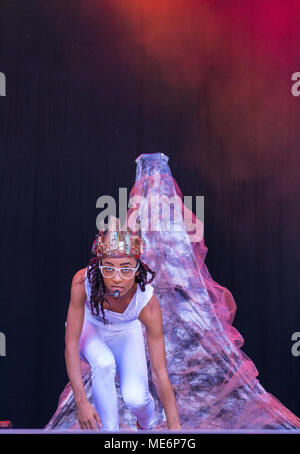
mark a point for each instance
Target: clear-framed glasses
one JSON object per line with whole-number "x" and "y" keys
{"x": 125, "y": 272}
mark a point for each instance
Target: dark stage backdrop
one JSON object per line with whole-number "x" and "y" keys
{"x": 92, "y": 84}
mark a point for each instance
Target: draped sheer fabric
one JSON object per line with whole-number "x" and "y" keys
{"x": 215, "y": 383}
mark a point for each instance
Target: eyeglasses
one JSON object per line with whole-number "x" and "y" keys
{"x": 110, "y": 271}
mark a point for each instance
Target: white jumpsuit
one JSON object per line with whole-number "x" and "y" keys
{"x": 118, "y": 347}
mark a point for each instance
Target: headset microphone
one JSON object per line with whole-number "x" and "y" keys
{"x": 116, "y": 293}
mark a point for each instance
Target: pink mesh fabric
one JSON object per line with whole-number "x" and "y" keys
{"x": 215, "y": 383}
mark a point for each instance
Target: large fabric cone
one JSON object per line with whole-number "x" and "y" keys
{"x": 215, "y": 383}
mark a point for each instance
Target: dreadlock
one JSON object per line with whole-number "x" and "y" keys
{"x": 94, "y": 276}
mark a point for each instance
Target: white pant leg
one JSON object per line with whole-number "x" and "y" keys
{"x": 128, "y": 348}
{"x": 103, "y": 370}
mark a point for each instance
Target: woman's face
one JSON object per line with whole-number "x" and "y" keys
{"x": 117, "y": 282}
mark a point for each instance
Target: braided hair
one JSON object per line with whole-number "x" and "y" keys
{"x": 95, "y": 279}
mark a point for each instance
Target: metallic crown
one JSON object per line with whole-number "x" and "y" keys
{"x": 112, "y": 241}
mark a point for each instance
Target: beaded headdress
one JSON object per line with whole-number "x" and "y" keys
{"x": 114, "y": 241}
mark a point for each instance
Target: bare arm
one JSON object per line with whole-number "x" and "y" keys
{"x": 75, "y": 317}
{"x": 151, "y": 317}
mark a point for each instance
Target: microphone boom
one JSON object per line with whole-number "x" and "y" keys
{"x": 116, "y": 293}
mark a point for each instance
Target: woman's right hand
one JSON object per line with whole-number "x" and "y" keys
{"x": 87, "y": 416}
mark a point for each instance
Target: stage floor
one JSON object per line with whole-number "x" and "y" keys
{"x": 152, "y": 432}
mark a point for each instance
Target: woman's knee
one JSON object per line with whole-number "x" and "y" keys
{"x": 104, "y": 366}
{"x": 135, "y": 397}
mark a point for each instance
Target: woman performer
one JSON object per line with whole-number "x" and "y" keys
{"x": 116, "y": 280}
